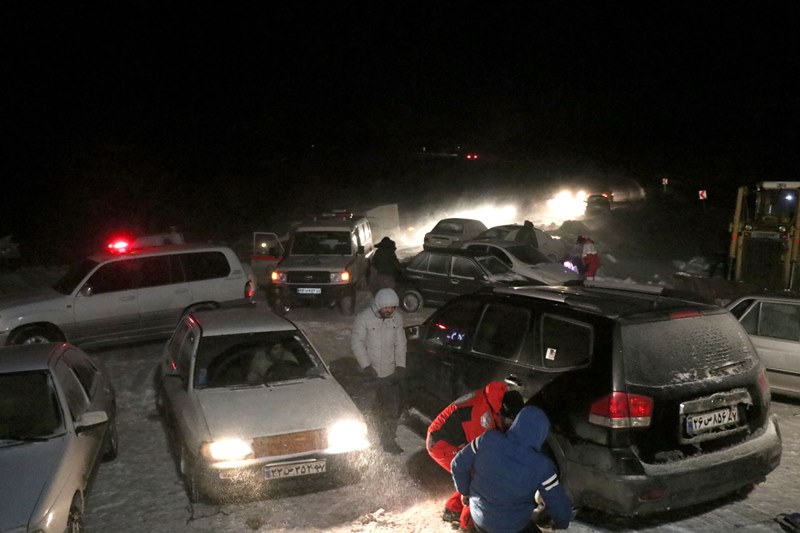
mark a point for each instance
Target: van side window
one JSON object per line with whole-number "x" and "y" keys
{"x": 452, "y": 326}
{"x": 566, "y": 343}
{"x": 205, "y": 265}
{"x": 502, "y": 330}
{"x": 113, "y": 277}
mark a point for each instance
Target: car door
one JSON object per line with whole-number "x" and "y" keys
{"x": 466, "y": 277}
{"x": 774, "y": 329}
{"x": 106, "y": 306}
{"x": 178, "y": 386}
{"x": 428, "y": 272}
{"x": 432, "y": 356}
{"x": 163, "y": 294}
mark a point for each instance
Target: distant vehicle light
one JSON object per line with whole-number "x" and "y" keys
{"x": 119, "y": 246}
{"x": 472, "y": 156}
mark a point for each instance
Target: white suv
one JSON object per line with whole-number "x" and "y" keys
{"x": 127, "y": 295}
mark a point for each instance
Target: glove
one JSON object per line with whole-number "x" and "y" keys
{"x": 464, "y": 499}
{"x": 369, "y": 372}
{"x": 399, "y": 372}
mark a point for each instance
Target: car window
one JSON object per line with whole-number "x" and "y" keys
{"x": 76, "y": 273}
{"x": 77, "y": 400}
{"x": 502, "y": 330}
{"x": 84, "y": 368}
{"x": 420, "y": 262}
{"x": 449, "y": 227}
{"x": 29, "y": 405}
{"x": 565, "y": 343}
{"x": 502, "y": 256}
{"x": 528, "y": 255}
{"x": 252, "y": 359}
{"x": 464, "y": 267}
{"x": 479, "y": 248}
{"x": 205, "y": 265}
{"x": 493, "y": 265}
{"x": 451, "y": 326}
{"x": 322, "y": 243}
{"x": 114, "y": 276}
{"x": 780, "y": 321}
{"x": 155, "y": 271}
{"x": 439, "y": 264}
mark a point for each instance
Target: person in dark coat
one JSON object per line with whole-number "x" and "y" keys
{"x": 527, "y": 234}
{"x": 461, "y": 422}
{"x": 385, "y": 267}
{"x": 499, "y": 475}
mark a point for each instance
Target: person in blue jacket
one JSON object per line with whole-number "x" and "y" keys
{"x": 500, "y": 473}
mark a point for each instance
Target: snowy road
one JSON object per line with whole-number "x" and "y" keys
{"x": 141, "y": 490}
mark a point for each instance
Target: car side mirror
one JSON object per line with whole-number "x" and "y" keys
{"x": 87, "y": 290}
{"x": 90, "y": 420}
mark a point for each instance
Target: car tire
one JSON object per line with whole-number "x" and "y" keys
{"x": 35, "y": 335}
{"x": 411, "y": 301}
{"x": 75, "y": 516}
{"x": 111, "y": 440}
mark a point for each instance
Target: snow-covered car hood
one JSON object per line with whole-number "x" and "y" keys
{"x": 315, "y": 262}
{"x": 285, "y": 408}
{"x": 548, "y": 273}
{"x": 26, "y": 469}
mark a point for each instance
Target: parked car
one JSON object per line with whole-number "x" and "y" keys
{"x": 773, "y": 323}
{"x": 656, "y": 403}
{"x": 249, "y": 402}
{"x": 451, "y": 232}
{"x": 434, "y": 277}
{"x": 526, "y": 260}
{"x": 597, "y": 204}
{"x": 57, "y": 422}
{"x": 126, "y": 295}
{"x": 553, "y": 247}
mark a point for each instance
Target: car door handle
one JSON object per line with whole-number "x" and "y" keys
{"x": 513, "y": 381}
{"x": 454, "y": 281}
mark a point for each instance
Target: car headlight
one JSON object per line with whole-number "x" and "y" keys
{"x": 277, "y": 276}
{"x": 226, "y": 450}
{"x": 347, "y": 436}
{"x": 340, "y": 277}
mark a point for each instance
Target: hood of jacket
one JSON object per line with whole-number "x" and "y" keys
{"x": 385, "y": 298}
{"x": 530, "y": 428}
{"x": 494, "y": 394}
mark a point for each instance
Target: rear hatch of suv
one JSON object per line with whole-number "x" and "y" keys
{"x": 697, "y": 380}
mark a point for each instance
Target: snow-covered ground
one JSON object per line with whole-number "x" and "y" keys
{"x": 142, "y": 491}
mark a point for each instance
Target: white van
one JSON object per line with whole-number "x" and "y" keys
{"x": 123, "y": 295}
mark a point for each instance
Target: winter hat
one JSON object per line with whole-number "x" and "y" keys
{"x": 386, "y": 242}
{"x": 494, "y": 391}
{"x": 580, "y": 239}
{"x": 386, "y": 298}
{"x": 512, "y": 404}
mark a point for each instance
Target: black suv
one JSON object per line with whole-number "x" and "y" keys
{"x": 656, "y": 402}
{"x": 434, "y": 277}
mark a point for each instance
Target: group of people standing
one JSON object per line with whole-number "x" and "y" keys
{"x": 488, "y": 440}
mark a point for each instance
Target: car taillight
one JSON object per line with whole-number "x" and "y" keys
{"x": 684, "y": 314}
{"x": 622, "y": 410}
{"x": 248, "y": 289}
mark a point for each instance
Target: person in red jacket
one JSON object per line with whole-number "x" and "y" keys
{"x": 589, "y": 257}
{"x": 461, "y": 422}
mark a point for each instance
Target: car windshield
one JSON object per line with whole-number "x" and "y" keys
{"x": 321, "y": 243}
{"x": 254, "y": 359}
{"x": 29, "y": 407}
{"x": 76, "y": 273}
{"x": 493, "y": 265}
{"x": 528, "y": 254}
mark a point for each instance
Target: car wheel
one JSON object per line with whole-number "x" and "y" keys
{"x": 111, "y": 440}
{"x": 35, "y": 335}
{"x": 411, "y": 301}
{"x": 190, "y": 476}
{"x": 75, "y": 516}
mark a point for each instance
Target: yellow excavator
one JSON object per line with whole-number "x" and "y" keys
{"x": 765, "y": 236}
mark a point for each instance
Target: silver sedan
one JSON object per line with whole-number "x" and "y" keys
{"x": 56, "y": 423}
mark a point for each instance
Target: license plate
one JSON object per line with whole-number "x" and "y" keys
{"x": 306, "y": 468}
{"x": 309, "y": 290}
{"x": 703, "y": 422}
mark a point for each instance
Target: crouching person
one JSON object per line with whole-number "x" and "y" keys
{"x": 500, "y": 473}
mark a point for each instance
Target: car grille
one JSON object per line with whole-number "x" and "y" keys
{"x": 312, "y": 276}
{"x": 290, "y": 443}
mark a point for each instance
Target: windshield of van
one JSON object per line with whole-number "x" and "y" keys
{"x": 76, "y": 273}
{"x": 321, "y": 243}
{"x": 685, "y": 350}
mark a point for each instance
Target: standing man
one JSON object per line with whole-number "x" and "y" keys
{"x": 461, "y": 422}
{"x": 499, "y": 475}
{"x": 589, "y": 257}
{"x": 378, "y": 342}
{"x": 385, "y": 267}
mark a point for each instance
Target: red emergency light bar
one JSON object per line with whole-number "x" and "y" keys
{"x": 119, "y": 246}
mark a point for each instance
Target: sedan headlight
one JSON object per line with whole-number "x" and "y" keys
{"x": 226, "y": 450}
{"x": 347, "y": 436}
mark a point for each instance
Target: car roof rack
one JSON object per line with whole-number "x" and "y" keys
{"x": 624, "y": 285}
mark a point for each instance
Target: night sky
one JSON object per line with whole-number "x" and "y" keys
{"x": 138, "y": 115}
